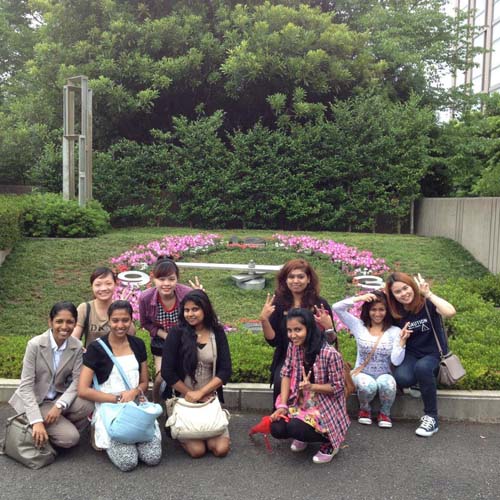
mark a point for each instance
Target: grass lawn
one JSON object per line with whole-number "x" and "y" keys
{"x": 40, "y": 272}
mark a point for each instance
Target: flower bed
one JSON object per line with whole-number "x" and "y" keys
{"x": 142, "y": 257}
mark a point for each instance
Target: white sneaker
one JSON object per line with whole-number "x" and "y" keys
{"x": 414, "y": 391}
{"x": 428, "y": 426}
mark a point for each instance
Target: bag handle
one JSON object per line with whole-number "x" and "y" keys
{"x": 86, "y": 324}
{"x": 107, "y": 350}
{"x": 7, "y": 424}
{"x": 363, "y": 365}
{"x": 440, "y": 349}
{"x": 214, "y": 353}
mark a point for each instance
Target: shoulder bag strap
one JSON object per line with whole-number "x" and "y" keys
{"x": 440, "y": 349}
{"x": 363, "y": 365}
{"x": 86, "y": 325}
{"x": 116, "y": 363}
{"x": 214, "y": 352}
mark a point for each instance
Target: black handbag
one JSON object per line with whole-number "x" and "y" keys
{"x": 19, "y": 445}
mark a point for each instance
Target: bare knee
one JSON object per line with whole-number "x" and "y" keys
{"x": 219, "y": 447}
{"x": 196, "y": 449}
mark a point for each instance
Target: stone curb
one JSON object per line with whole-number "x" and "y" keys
{"x": 461, "y": 406}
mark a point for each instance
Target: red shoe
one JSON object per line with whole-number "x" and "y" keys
{"x": 364, "y": 417}
{"x": 384, "y": 421}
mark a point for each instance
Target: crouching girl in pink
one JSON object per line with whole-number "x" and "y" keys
{"x": 311, "y": 406}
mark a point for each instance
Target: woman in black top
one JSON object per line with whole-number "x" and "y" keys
{"x": 297, "y": 286}
{"x": 130, "y": 353}
{"x": 414, "y": 306}
{"x": 197, "y": 363}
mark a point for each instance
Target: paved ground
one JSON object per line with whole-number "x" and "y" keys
{"x": 462, "y": 461}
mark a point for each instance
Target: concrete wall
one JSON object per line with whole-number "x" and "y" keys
{"x": 472, "y": 222}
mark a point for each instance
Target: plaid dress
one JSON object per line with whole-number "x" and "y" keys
{"x": 327, "y": 369}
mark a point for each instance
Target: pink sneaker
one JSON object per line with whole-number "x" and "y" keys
{"x": 298, "y": 445}
{"x": 325, "y": 454}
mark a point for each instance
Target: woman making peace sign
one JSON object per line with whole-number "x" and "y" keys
{"x": 311, "y": 406}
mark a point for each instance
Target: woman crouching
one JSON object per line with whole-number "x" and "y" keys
{"x": 48, "y": 389}
{"x": 130, "y": 353}
{"x": 311, "y": 406}
{"x": 197, "y": 362}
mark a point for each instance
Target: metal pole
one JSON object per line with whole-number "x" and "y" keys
{"x": 88, "y": 152}
{"x": 82, "y": 184}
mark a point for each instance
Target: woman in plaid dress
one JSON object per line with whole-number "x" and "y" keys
{"x": 311, "y": 406}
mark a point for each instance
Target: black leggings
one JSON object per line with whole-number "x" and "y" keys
{"x": 277, "y": 382}
{"x": 296, "y": 429}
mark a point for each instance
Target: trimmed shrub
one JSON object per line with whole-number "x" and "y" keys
{"x": 11, "y": 210}
{"x": 251, "y": 357}
{"x": 49, "y": 215}
{"x": 488, "y": 287}
{"x": 474, "y": 334}
{"x": 12, "y": 349}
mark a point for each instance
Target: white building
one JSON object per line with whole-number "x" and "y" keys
{"x": 484, "y": 14}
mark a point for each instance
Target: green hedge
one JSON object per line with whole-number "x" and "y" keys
{"x": 48, "y": 215}
{"x": 474, "y": 333}
{"x": 51, "y": 216}
{"x": 474, "y": 337}
{"x": 11, "y": 210}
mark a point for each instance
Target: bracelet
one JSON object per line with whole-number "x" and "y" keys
{"x": 330, "y": 330}
{"x": 282, "y": 406}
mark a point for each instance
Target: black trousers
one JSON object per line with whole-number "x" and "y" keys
{"x": 296, "y": 429}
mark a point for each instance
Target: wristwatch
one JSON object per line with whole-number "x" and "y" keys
{"x": 60, "y": 405}
{"x": 118, "y": 398}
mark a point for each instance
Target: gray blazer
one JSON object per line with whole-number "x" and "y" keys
{"x": 37, "y": 375}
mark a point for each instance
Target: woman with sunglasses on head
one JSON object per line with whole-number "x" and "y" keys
{"x": 297, "y": 286}
{"x": 130, "y": 353}
{"x": 379, "y": 344}
{"x": 311, "y": 406}
{"x": 197, "y": 363}
{"x": 92, "y": 321}
{"x": 413, "y": 305}
{"x": 159, "y": 310}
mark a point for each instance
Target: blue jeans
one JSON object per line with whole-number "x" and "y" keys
{"x": 423, "y": 371}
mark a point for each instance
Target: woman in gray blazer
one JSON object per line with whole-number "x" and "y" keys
{"x": 48, "y": 389}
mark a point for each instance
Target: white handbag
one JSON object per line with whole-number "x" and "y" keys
{"x": 197, "y": 420}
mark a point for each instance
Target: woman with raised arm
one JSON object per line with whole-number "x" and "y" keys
{"x": 92, "y": 321}
{"x": 311, "y": 406}
{"x": 379, "y": 344}
{"x": 159, "y": 310}
{"x": 130, "y": 353}
{"x": 297, "y": 286}
{"x": 412, "y": 303}
{"x": 49, "y": 379}
{"x": 197, "y": 363}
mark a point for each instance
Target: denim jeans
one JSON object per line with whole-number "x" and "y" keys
{"x": 423, "y": 371}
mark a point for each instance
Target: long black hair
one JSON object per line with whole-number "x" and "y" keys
{"x": 315, "y": 338}
{"x": 188, "y": 347}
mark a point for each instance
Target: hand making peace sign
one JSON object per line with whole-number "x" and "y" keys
{"x": 268, "y": 308}
{"x": 305, "y": 384}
